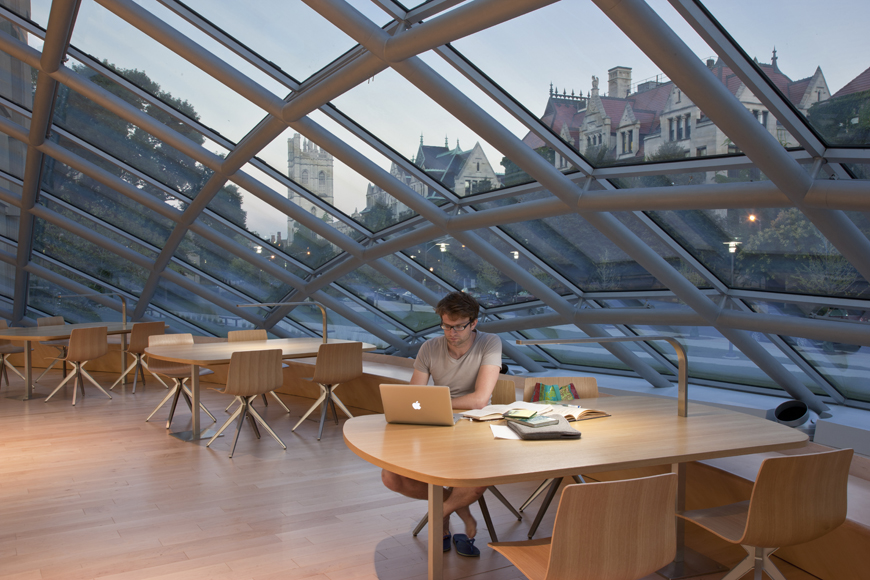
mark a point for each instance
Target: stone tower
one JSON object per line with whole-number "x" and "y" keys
{"x": 312, "y": 168}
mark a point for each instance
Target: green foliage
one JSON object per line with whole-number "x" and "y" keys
{"x": 843, "y": 120}
{"x": 514, "y": 175}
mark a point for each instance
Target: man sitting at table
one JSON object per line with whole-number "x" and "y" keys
{"x": 468, "y": 362}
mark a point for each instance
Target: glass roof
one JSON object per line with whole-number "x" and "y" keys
{"x": 700, "y": 179}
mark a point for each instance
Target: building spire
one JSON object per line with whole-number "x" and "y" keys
{"x": 446, "y": 144}
{"x": 774, "y": 59}
{"x": 421, "y": 138}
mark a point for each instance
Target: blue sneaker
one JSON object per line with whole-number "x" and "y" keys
{"x": 465, "y": 546}
{"x": 447, "y": 542}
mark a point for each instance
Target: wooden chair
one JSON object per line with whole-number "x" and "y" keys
{"x": 61, "y": 345}
{"x": 795, "y": 499}
{"x": 504, "y": 393}
{"x": 6, "y": 349}
{"x": 247, "y": 336}
{"x": 619, "y": 530}
{"x": 179, "y": 373}
{"x": 85, "y": 344}
{"x": 336, "y": 363}
{"x": 138, "y": 342}
{"x": 587, "y": 388}
{"x": 252, "y": 373}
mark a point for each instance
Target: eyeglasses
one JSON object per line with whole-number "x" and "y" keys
{"x": 457, "y": 328}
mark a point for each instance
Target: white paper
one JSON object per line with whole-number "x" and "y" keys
{"x": 497, "y": 410}
{"x": 503, "y": 432}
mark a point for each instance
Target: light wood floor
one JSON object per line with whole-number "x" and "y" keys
{"x": 93, "y": 491}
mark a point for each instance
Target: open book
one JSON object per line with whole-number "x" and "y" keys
{"x": 574, "y": 413}
{"x": 492, "y": 412}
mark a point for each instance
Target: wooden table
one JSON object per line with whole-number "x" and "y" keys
{"x": 59, "y": 332}
{"x": 217, "y": 353}
{"x": 641, "y": 431}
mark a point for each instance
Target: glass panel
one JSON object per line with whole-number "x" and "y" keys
{"x": 133, "y": 146}
{"x": 9, "y": 214}
{"x": 45, "y": 298}
{"x": 337, "y": 326}
{"x": 326, "y": 176}
{"x": 198, "y": 311}
{"x": 768, "y": 249}
{"x": 658, "y": 245}
{"x": 233, "y": 271}
{"x": 262, "y": 26}
{"x": 35, "y": 10}
{"x": 859, "y": 170}
{"x": 12, "y": 155}
{"x": 577, "y": 251}
{"x": 411, "y": 123}
{"x": 639, "y": 116}
{"x": 156, "y": 69}
{"x": 82, "y": 255}
{"x": 583, "y": 354}
{"x": 361, "y": 310}
{"x": 397, "y": 303}
{"x": 846, "y": 366}
{"x": 831, "y": 91}
{"x": 106, "y": 204}
{"x": 18, "y": 80}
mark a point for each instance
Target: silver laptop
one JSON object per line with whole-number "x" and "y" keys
{"x": 417, "y": 404}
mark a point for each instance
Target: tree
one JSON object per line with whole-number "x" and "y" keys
{"x": 843, "y": 120}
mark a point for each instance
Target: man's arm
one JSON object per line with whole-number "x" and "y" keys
{"x": 483, "y": 387}
{"x": 420, "y": 378}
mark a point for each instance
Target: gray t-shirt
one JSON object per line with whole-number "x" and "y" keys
{"x": 458, "y": 374}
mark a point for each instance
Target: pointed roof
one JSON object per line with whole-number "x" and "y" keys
{"x": 859, "y": 84}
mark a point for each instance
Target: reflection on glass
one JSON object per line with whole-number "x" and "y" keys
{"x": 367, "y": 314}
{"x": 577, "y": 251}
{"x": 338, "y": 326}
{"x": 104, "y": 203}
{"x": 44, "y": 299}
{"x": 382, "y": 293}
{"x": 586, "y": 354}
{"x": 767, "y": 249}
{"x": 197, "y": 311}
{"x": 846, "y": 366}
{"x": 234, "y": 272}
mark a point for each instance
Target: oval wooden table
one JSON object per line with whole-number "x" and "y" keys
{"x": 641, "y": 431}
{"x": 217, "y": 353}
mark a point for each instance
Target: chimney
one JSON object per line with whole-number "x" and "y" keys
{"x": 619, "y": 82}
{"x": 710, "y": 63}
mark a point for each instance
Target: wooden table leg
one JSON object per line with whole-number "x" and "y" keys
{"x": 436, "y": 532}
{"x": 28, "y": 376}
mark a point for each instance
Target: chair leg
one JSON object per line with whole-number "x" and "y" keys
{"x": 551, "y": 493}
{"x": 253, "y": 421}
{"x": 59, "y": 387}
{"x": 280, "y": 402}
{"x": 487, "y": 520}
{"x": 334, "y": 412}
{"x": 48, "y": 368}
{"x": 506, "y": 503}
{"x": 314, "y": 406}
{"x": 124, "y": 374}
{"x": 8, "y": 364}
{"x": 189, "y": 393}
{"x": 163, "y": 402}
{"x": 340, "y": 405}
{"x": 79, "y": 384}
{"x": 323, "y": 407}
{"x": 85, "y": 373}
{"x": 178, "y": 392}
{"x": 235, "y": 414}
{"x": 536, "y": 493}
{"x": 3, "y": 373}
{"x": 265, "y": 400}
{"x": 244, "y": 412}
{"x": 421, "y": 524}
{"x": 266, "y": 426}
{"x": 145, "y": 364}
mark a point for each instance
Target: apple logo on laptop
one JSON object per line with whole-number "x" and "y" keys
{"x": 416, "y": 405}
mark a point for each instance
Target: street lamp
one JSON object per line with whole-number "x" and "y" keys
{"x": 732, "y": 249}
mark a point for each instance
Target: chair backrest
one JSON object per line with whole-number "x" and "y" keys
{"x": 247, "y": 335}
{"x": 504, "y": 393}
{"x": 50, "y": 321}
{"x": 619, "y": 530}
{"x": 254, "y": 372}
{"x": 338, "y": 362}
{"x": 87, "y": 344}
{"x": 155, "y": 365}
{"x": 142, "y": 331}
{"x": 797, "y": 498}
{"x": 587, "y": 387}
